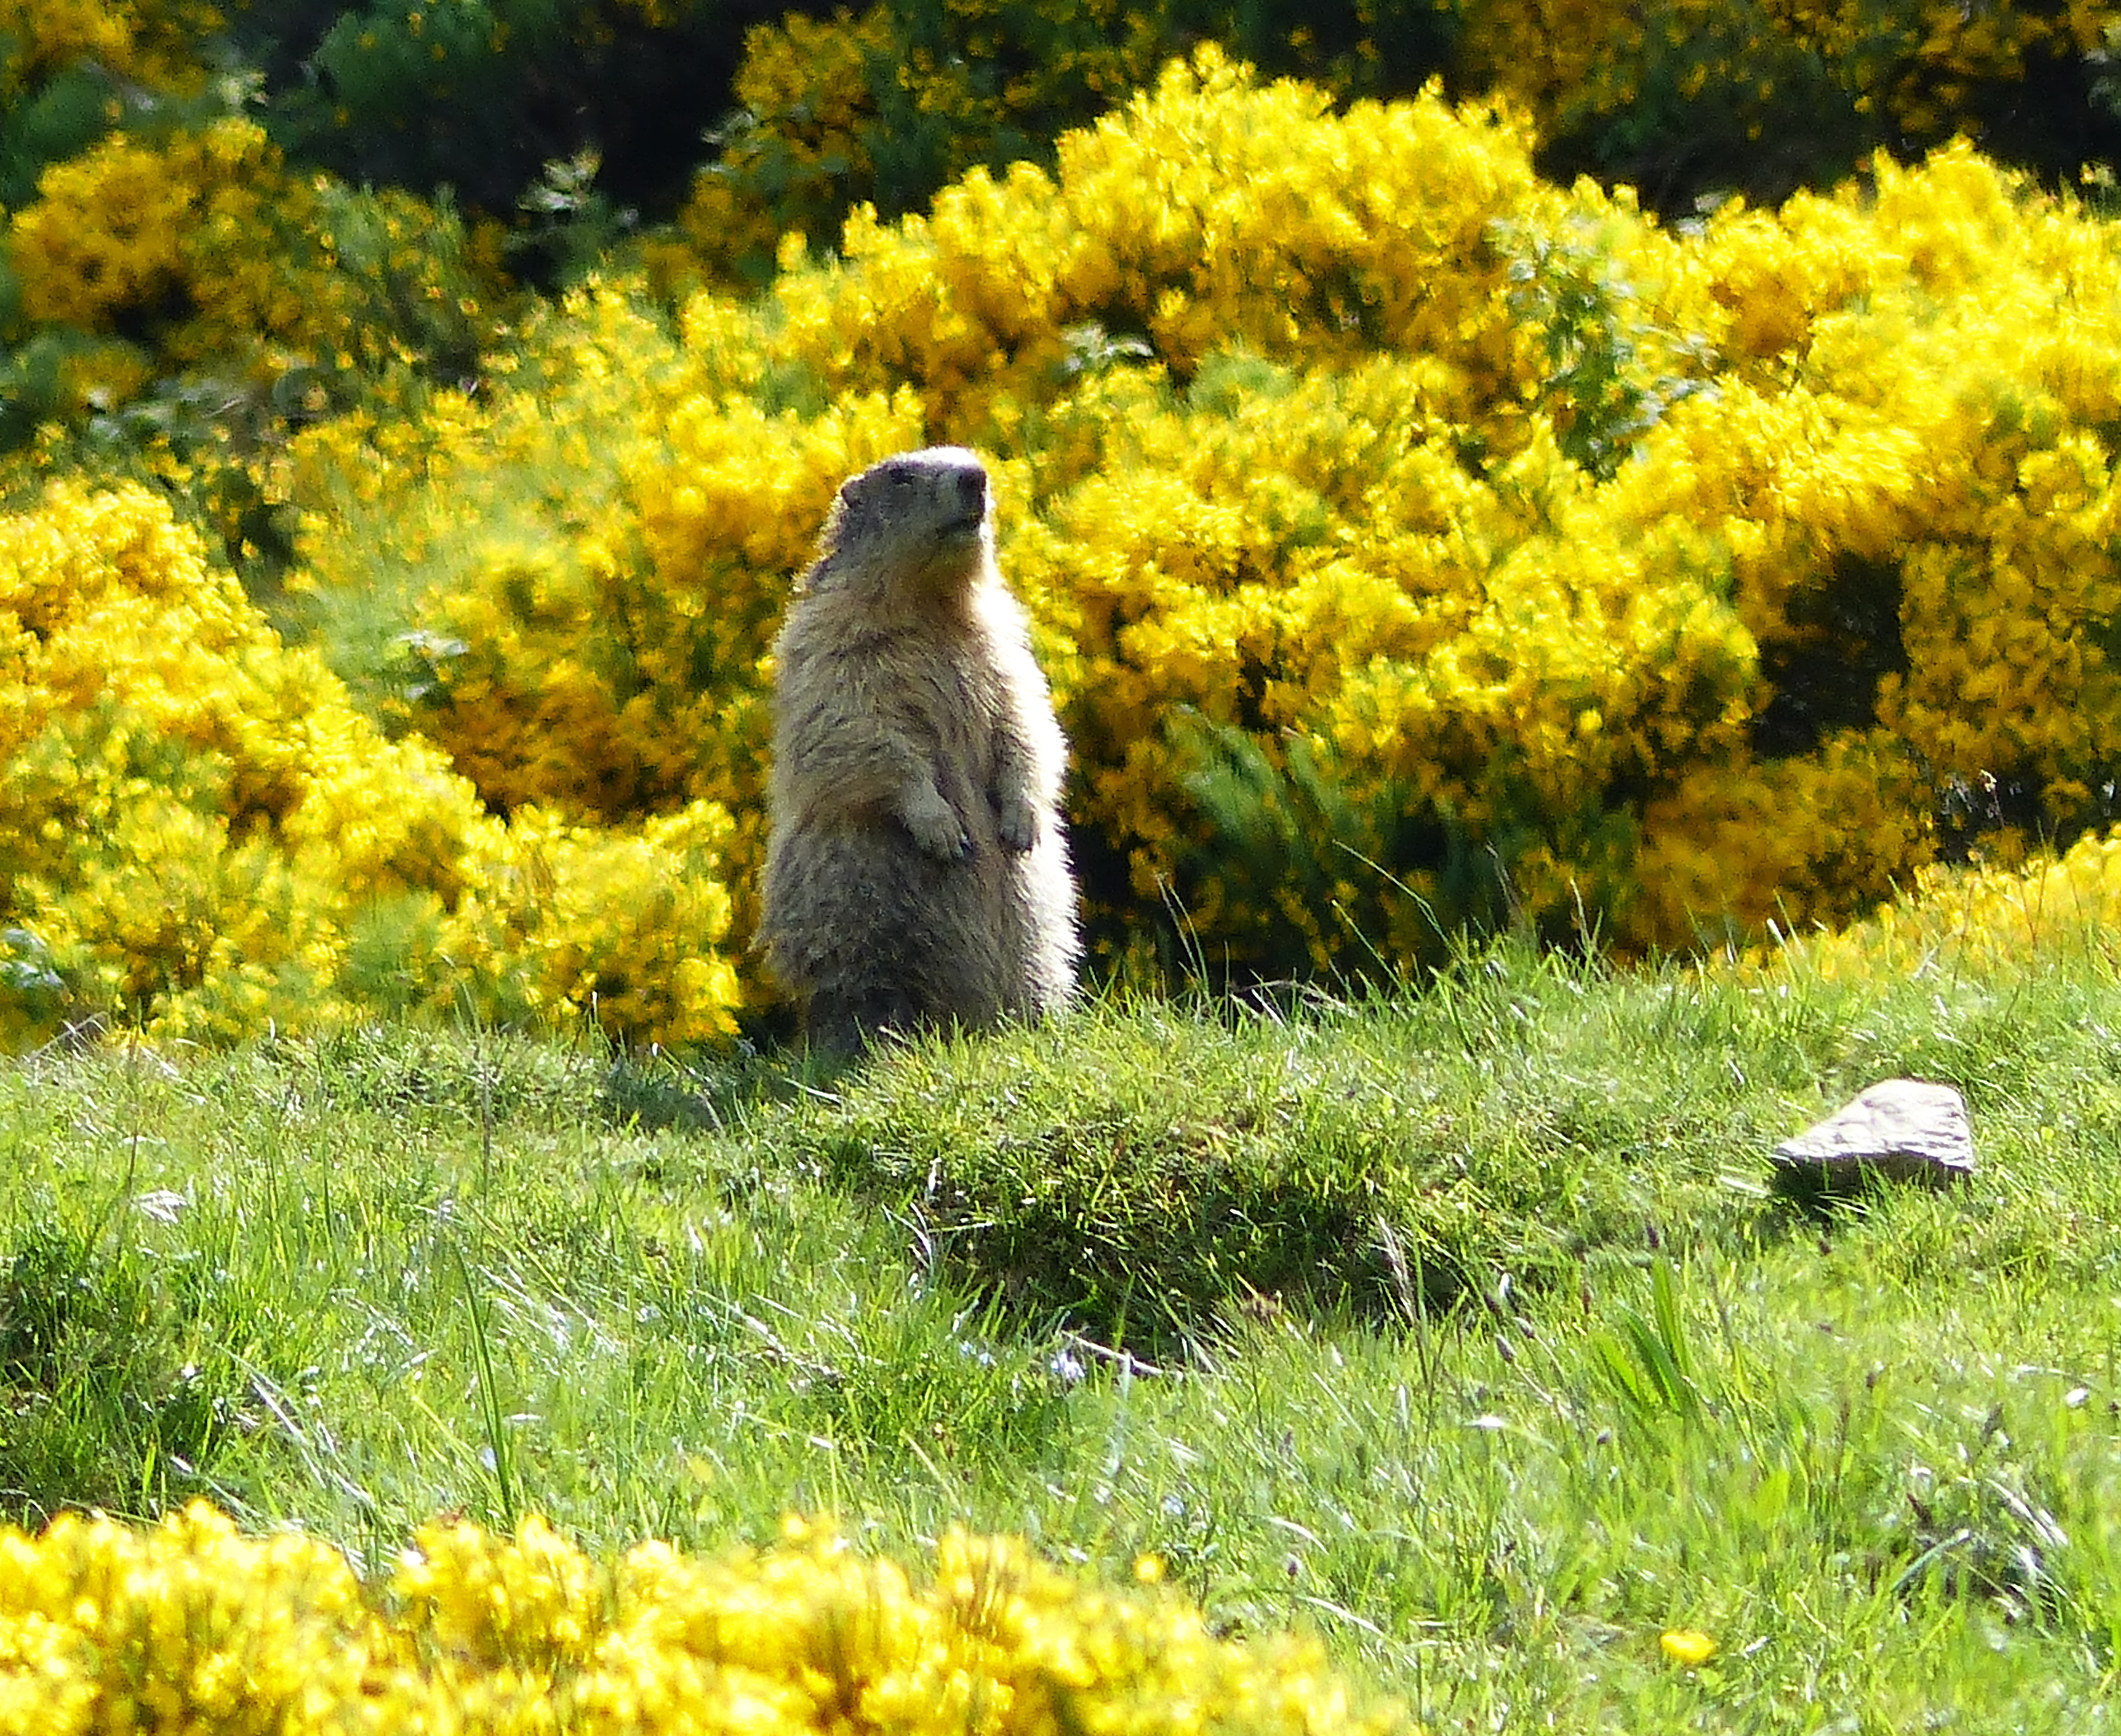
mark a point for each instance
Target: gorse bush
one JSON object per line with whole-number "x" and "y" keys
{"x": 73, "y": 69}
{"x": 204, "y": 244}
{"x": 1983, "y": 921}
{"x": 103, "y": 1627}
{"x": 176, "y": 293}
{"x": 886, "y": 107}
{"x": 1680, "y": 99}
{"x": 1515, "y": 558}
{"x": 1770, "y": 96}
{"x": 200, "y": 833}
{"x": 780, "y": 120}
{"x": 1646, "y": 583}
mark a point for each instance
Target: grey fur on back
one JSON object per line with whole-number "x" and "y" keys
{"x": 917, "y": 870}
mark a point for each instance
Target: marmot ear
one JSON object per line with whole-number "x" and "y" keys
{"x": 847, "y": 503}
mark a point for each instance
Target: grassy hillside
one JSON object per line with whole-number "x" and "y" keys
{"x": 1459, "y": 1328}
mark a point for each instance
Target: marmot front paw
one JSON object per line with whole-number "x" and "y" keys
{"x": 939, "y": 832}
{"x": 1018, "y": 824}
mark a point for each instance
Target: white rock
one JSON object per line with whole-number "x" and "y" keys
{"x": 1903, "y": 1130}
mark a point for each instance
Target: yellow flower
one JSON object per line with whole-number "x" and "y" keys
{"x": 1688, "y": 1647}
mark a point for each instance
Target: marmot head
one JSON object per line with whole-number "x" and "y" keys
{"x": 918, "y": 521}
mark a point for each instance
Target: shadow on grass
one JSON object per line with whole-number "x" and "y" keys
{"x": 1140, "y": 1249}
{"x": 662, "y": 1092}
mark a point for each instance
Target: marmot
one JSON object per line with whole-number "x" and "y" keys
{"x": 916, "y": 872}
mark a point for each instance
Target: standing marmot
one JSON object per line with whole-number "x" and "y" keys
{"x": 916, "y": 872}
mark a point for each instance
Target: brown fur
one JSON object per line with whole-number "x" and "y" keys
{"x": 916, "y": 872}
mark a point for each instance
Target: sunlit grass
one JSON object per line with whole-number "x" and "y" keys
{"x": 1459, "y": 1327}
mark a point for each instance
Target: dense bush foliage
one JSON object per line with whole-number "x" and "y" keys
{"x": 199, "y": 832}
{"x": 568, "y": 123}
{"x": 176, "y": 292}
{"x": 1524, "y": 554}
{"x": 1983, "y": 921}
{"x": 1412, "y": 544}
{"x": 204, "y": 252}
{"x": 478, "y": 95}
{"x": 1685, "y": 96}
{"x": 1680, "y": 99}
{"x": 190, "y": 1625}
{"x": 71, "y": 70}
{"x": 886, "y": 107}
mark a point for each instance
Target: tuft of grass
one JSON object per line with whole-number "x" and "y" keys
{"x": 116, "y": 1389}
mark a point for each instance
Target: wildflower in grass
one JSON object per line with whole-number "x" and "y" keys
{"x": 1688, "y": 1647}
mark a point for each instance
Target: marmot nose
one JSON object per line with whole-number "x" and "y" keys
{"x": 973, "y": 490}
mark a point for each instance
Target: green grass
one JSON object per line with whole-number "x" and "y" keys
{"x": 1460, "y": 1327}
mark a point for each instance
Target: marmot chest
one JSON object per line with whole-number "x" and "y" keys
{"x": 954, "y": 697}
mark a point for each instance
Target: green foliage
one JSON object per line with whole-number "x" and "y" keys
{"x": 65, "y": 114}
{"x": 995, "y": 84}
{"x": 479, "y": 95}
{"x": 1367, "y": 877}
{"x": 1686, "y": 100}
{"x": 889, "y": 107}
{"x": 1646, "y": 1359}
{"x": 1601, "y": 389}
{"x": 1730, "y": 99}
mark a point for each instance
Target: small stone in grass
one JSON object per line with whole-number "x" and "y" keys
{"x": 1900, "y": 1130}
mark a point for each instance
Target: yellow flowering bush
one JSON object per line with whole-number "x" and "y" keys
{"x": 198, "y": 831}
{"x": 796, "y": 151}
{"x": 267, "y": 272}
{"x": 1212, "y": 213}
{"x": 1918, "y": 60}
{"x": 886, "y": 105}
{"x": 626, "y": 924}
{"x": 1663, "y": 581}
{"x": 1410, "y": 541}
{"x": 184, "y": 299}
{"x": 1511, "y": 641}
{"x": 587, "y": 568}
{"x": 189, "y": 1624}
{"x": 152, "y": 43}
{"x": 1978, "y": 920}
